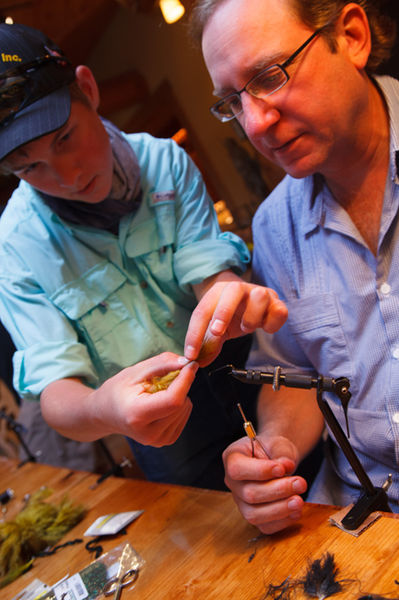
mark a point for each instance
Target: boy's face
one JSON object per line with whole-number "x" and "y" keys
{"x": 74, "y": 162}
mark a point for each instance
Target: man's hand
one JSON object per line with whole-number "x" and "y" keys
{"x": 264, "y": 490}
{"x": 229, "y": 307}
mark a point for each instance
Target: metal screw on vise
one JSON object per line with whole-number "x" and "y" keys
{"x": 387, "y": 484}
{"x": 276, "y": 379}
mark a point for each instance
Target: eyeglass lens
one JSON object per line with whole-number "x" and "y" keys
{"x": 262, "y": 85}
{"x": 265, "y": 83}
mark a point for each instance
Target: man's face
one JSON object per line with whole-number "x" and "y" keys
{"x": 306, "y": 126}
{"x": 74, "y": 162}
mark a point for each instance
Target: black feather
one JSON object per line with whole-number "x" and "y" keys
{"x": 320, "y": 580}
{"x": 281, "y": 591}
{"x": 374, "y": 597}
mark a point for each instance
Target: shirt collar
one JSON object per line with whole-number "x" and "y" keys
{"x": 314, "y": 188}
{"x": 390, "y": 89}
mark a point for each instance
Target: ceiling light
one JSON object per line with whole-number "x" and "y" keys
{"x": 172, "y": 10}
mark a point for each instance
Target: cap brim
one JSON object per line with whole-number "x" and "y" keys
{"x": 41, "y": 117}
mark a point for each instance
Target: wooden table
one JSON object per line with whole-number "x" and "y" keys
{"x": 197, "y": 546}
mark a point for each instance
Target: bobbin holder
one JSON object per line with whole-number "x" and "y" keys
{"x": 372, "y": 498}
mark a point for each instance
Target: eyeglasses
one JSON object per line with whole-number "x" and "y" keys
{"x": 19, "y": 87}
{"x": 261, "y": 85}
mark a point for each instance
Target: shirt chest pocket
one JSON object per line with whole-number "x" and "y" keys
{"x": 92, "y": 302}
{"x": 150, "y": 245}
{"x": 316, "y": 324}
{"x": 101, "y": 306}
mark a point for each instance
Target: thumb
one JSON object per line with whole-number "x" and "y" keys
{"x": 284, "y": 451}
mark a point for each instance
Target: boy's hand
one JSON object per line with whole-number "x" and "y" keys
{"x": 154, "y": 418}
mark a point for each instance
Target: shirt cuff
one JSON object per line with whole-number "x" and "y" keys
{"x": 197, "y": 261}
{"x": 41, "y": 364}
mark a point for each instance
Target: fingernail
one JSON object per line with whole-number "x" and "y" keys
{"x": 182, "y": 360}
{"x": 294, "y": 504}
{"x": 190, "y": 352}
{"x": 218, "y": 327}
{"x": 298, "y": 486}
{"x": 295, "y": 515}
{"x": 278, "y": 471}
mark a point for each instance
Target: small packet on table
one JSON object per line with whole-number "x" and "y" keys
{"x": 89, "y": 583}
{"x": 36, "y": 589}
{"x": 112, "y": 523}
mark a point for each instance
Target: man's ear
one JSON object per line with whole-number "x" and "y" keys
{"x": 354, "y": 32}
{"x": 87, "y": 83}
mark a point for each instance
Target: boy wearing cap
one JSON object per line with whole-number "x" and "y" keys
{"x": 105, "y": 247}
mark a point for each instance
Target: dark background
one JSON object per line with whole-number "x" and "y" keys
{"x": 392, "y": 66}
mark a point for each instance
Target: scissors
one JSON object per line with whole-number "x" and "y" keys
{"x": 116, "y": 584}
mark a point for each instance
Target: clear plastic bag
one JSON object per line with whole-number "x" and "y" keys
{"x": 89, "y": 583}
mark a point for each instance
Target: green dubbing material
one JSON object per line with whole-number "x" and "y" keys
{"x": 38, "y": 526}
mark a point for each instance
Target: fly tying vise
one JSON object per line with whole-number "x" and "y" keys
{"x": 372, "y": 498}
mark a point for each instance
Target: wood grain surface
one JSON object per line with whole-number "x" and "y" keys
{"x": 196, "y": 545}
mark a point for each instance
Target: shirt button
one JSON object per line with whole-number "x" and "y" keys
{"x": 385, "y": 289}
{"x": 143, "y": 284}
{"x": 171, "y": 324}
{"x": 395, "y": 353}
{"x": 395, "y": 417}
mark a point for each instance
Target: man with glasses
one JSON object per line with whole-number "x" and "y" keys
{"x": 299, "y": 77}
{"x": 105, "y": 248}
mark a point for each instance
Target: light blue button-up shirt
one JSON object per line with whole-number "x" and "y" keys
{"x": 343, "y": 307}
{"x": 83, "y": 302}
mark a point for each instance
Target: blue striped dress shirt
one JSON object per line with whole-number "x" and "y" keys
{"x": 343, "y": 320}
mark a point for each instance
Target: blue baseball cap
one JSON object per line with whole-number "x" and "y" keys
{"x": 34, "y": 86}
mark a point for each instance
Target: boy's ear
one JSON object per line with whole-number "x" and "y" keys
{"x": 87, "y": 83}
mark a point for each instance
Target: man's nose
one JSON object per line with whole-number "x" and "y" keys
{"x": 259, "y": 114}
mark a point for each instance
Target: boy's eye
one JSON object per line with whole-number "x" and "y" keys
{"x": 66, "y": 137}
{"x": 28, "y": 169}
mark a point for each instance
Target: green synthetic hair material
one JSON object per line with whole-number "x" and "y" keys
{"x": 39, "y": 525}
